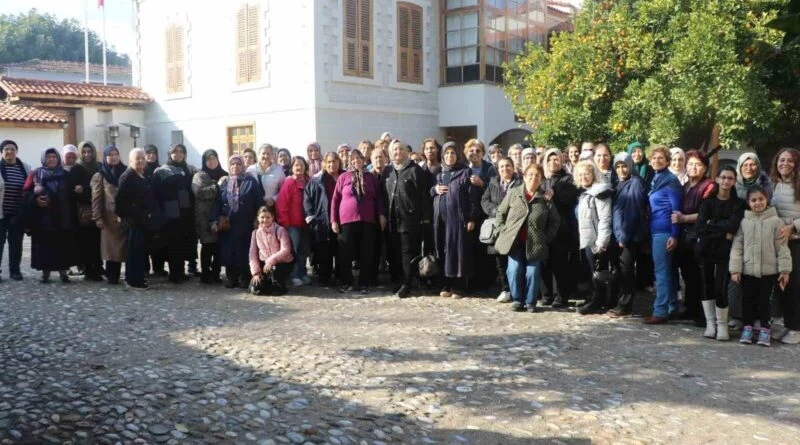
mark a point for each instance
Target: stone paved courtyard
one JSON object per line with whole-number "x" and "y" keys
{"x": 89, "y": 363}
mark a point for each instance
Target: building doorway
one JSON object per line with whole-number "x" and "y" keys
{"x": 460, "y": 135}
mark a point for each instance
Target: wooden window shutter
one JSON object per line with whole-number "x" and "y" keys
{"x": 416, "y": 44}
{"x": 175, "y": 59}
{"x": 365, "y": 37}
{"x": 241, "y": 46}
{"x": 179, "y": 59}
{"x": 403, "y": 42}
{"x": 350, "y": 37}
{"x": 170, "y": 50}
{"x": 253, "y": 44}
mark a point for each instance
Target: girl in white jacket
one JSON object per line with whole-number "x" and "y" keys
{"x": 758, "y": 259}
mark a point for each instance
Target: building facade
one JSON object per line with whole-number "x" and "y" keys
{"x": 232, "y": 75}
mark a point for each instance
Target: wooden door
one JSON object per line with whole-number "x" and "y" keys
{"x": 240, "y": 139}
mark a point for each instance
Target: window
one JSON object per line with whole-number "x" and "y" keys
{"x": 175, "y": 59}
{"x": 240, "y": 139}
{"x": 358, "y": 38}
{"x": 409, "y": 43}
{"x": 461, "y": 44}
{"x": 248, "y": 54}
{"x": 176, "y": 137}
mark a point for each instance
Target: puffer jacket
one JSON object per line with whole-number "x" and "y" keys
{"x": 271, "y": 246}
{"x": 756, "y": 250}
{"x": 540, "y": 216}
{"x": 594, "y": 216}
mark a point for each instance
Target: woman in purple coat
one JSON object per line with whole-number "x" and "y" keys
{"x": 456, "y": 209}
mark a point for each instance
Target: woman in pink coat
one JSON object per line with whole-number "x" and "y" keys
{"x": 270, "y": 256}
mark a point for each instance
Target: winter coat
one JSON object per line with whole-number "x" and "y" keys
{"x": 113, "y": 235}
{"x": 538, "y": 216}
{"x": 270, "y": 179}
{"x": 317, "y": 206}
{"x": 594, "y": 217}
{"x": 346, "y": 208}
{"x": 715, "y": 220}
{"x": 629, "y": 211}
{"x": 788, "y": 207}
{"x": 461, "y": 205}
{"x": 136, "y": 203}
{"x": 565, "y": 198}
{"x": 493, "y": 194}
{"x": 205, "y": 192}
{"x": 269, "y": 246}
{"x": 52, "y": 228}
{"x": 756, "y": 250}
{"x": 234, "y": 244}
{"x": 289, "y": 204}
{"x": 692, "y": 197}
{"x": 406, "y": 197}
{"x": 665, "y": 197}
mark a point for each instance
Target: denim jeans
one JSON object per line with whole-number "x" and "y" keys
{"x": 524, "y": 276}
{"x": 11, "y": 229}
{"x": 299, "y": 237}
{"x": 666, "y": 301}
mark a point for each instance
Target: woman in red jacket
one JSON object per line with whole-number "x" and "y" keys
{"x": 291, "y": 216}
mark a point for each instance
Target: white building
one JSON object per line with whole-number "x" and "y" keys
{"x": 230, "y": 75}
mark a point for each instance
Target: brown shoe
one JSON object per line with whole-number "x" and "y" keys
{"x": 655, "y": 320}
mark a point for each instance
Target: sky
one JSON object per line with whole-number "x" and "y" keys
{"x": 120, "y": 31}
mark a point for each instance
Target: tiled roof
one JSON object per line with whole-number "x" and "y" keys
{"x": 61, "y": 66}
{"x": 19, "y": 113}
{"x": 30, "y": 88}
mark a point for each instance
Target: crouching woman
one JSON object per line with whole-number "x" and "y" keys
{"x": 270, "y": 256}
{"x": 527, "y": 223}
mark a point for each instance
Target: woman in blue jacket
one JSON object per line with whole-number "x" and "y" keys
{"x": 629, "y": 219}
{"x": 665, "y": 197}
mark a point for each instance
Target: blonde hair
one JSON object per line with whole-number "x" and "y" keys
{"x": 474, "y": 142}
{"x": 586, "y": 165}
{"x": 660, "y": 148}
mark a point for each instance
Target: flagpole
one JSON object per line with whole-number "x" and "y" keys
{"x": 86, "y": 36}
{"x": 105, "y": 67}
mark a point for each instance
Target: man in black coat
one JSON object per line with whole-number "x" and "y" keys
{"x": 405, "y": 186}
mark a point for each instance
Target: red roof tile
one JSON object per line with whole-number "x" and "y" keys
{"x": 61, "y": 66}
{"x": 19, "y": 113}
{"x": 22, "y": 88}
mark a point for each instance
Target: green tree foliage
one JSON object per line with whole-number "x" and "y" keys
{"x": 43, "y": 36}
{"x": 661, "y": 71}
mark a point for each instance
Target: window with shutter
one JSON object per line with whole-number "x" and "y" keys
{"x": 357, "y": 38}
{"x": 175, "y": 59}
{"x": 409, "y": 43}
{"x": 248, "y": 54}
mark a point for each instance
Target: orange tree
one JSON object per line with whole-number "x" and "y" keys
{"x": 663, "y": 71}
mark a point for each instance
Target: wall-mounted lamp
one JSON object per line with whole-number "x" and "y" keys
{"x": 113, "y": 133}
{"x": 135, "y": 134}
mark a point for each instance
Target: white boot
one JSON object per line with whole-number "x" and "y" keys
{"x": 722, "y": 324}
{"x": 711, "y": 320}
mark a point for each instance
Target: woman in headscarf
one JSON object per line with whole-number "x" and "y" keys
{"x": 172, "y": 184}
{"x": 356, "y": 209}
{"x": 137, "y": 206}
{"x": 314, "y": 152}
{"x": 157, "y": 253}
{"x": 13, "y": 172}
{"x": 291, "y": 216}
{"x": 481, "y": 173}
{"x": 238, "y": 201}
{"x": 677, "y": 164}
{"x": 49, "y": 217}
{"x": 88, "y": 233}
{"x": 641, "y": 165}
{"x": 113, "y": 237}
{"x": 343, "y": 150}
{"x": 285, "y": 161}
{"x": 317, "y": 197}
{"x": 205, "y": 186}
{"x": 69, "y": 155}
{"x": 750, "y": 173}
{"x": 456, "y": 210}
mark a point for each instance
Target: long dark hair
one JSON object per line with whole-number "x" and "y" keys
{"x": 776, "y": 177}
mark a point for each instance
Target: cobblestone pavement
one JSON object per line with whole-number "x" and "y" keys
{"x": 89, "y": 363}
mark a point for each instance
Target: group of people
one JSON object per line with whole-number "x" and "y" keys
{"x": 555, "y": 225}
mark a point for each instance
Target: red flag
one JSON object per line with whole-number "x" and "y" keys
{"x": 100, "y": 3}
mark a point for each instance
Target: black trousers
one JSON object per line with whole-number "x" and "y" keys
{"x": 402, "y": 249}
{"x": 356, "y": 237}
{"x": 325, "y": 253}
{"x": 501, "y": 261}
{"x": 559, "y": 266}
{"x": 644, "y": 266}
{"x": 604, "y": 295}
{"x": 715, "y": 282}
{"x": 113, "y": 269}
{"x": 209, "y": 260}
{"x": 158, "y": 257}
{"x": 756, "y": 293}
{"x": 275, "y": 282}
{"x": 89, "y": 245}
{"x": 237, "y": 275}
{"x": 627, "y": 267}
{"x": 790, "y": 297}
{"x": 690, "y": 271}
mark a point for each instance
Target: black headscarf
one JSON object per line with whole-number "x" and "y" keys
{"x": 111, "y": 173}
{"x": 181, "y": 165}
{"x": 216, "y": 173}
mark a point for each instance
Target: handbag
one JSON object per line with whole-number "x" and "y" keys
{"x": 600, "y": 276}
{"x": 223, "y": 223}
{"x": 488, "y": 233}
{"x": 85, "y": 216}
{"x": 428, "y": 267}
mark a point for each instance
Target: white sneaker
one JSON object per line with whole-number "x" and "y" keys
{"x": 456, "y": 296}
{"x": 777, "y": 330}
{"x": 791, "y": 337}
{"x": 735, "y": 324}
{"x": 504, "y": 297}
{"x": 306, "y": 280}
{"x": 297, "y": 282}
